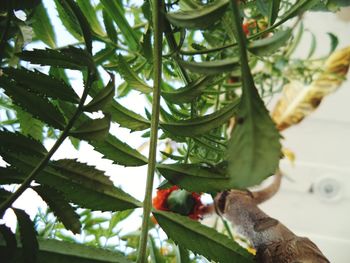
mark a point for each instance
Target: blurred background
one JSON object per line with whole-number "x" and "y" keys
{"x": 314, "y": 199}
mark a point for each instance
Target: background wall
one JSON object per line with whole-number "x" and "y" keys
{"x": 314, "y": 200}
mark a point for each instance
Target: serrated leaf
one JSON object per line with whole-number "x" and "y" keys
{"x": 203, "y": 124}
{"x": 112, "y": 148}
{"x": 109, "y": 26}
{"x": 59, "y": 73}
{"x": 94, "y": 129}
{"x": 17, "y": 142}
{"x": 103, "y": 98}
{"x": 6, "y": 5}
{"x": 42, "y": 84}
{"x": 67, "y": 58}
{"x": 298, "y": 101}
{"x": 187, "y": 93}
{"x": 51, "y": 250}
{"x": 75, "y": 182}
{"x": 274, "y": 7}
{"x": 195, "y": 177}
{"x": 201, "y": 239}
{"x": 200, "y": 18}
{"x": 129, "y": 75}
{"x": 60, "y": 207}
{"x": 28, "y": 235}
{"x": 93, "y": 178}
{"x": 81, "y": 170}
{"x": 39, "y": 107}
{"x": 42, "y": 26}
{"x": 11, "y": 244}
{"x": 104, "y": 55}
{"x": 127, "y": 118}
{"x": 68, "y": 19}
{"x": 90, "y": 13}
{"x": 114, "y": 9}
{"x": 254, "y": 149}
{"x": 83, "y": 22}
{"x": 211, "y": 67}
{"x": 269, "y": 45}
{"x": 119, "y": 152}
{"x": 29, "y": 126}
{"x": 9, "y": 175}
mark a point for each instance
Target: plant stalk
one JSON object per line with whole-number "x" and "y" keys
{"x": 157, "y": 7}
{"x": 41, "y": 165}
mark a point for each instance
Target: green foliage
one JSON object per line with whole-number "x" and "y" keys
{"x": 254, "y": 149}
{"x": 61, "y": 251}
{"x": 109, "y": 26}
{"x": 83, "y": 23}
{"x": 68, "y": 58}
{"x": 90, "y": 13}
{"x": 42, "y": 26}
{"x": 129, "y": 75}
{"x": 10, "y": 242}
{"x": 39, "y": 107}
{"x": 202, "y": 17}
{"x": 18, "y": 4}
{"x": 269, "y": 45}
{"x": 274, "y": 7}
{"x": 194, "y": 177}
{"x": 61, "y": 208}
{"x": 201, "y": 125}
{"x": 68, "y": 18}
{"x": 116, "y": 12}
{"x": 18, "y": 143}
{"x": 102, "y": 99}
{"x": 28, "y": 236}
{"x": 211, "y": 67}
{"x": 127, "y": 118}
{"x": 187, "y": 93}
{"x": 331, "y": 5}
{"x": 96, "y": 129}
{"x": 121, "y": 153}
{"x": 201, "y": 239}
{"x": 42, "y": 84}
{"x": 78, "y": 182}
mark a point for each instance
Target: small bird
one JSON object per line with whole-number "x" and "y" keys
{"x": 273, "y": 241}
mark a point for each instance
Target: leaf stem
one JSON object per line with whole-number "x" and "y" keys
{"x": 157, "y": 7}
{"x": 241, "y": 43}
{"x": 41, "y": 165}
